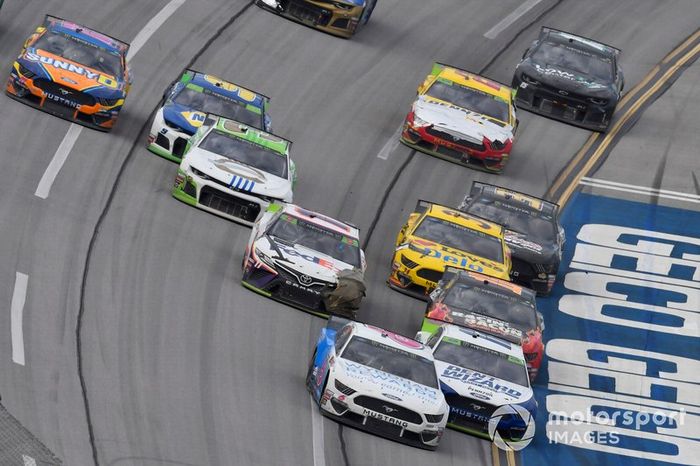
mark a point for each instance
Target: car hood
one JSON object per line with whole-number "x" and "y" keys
{"x": 567, "y": 80}
{"x": 460, "y": 120}
{"x": 380, "y": 384}
{"x": 238, "y": 176}
{"x": 530, "y": 251}
{"x": 300, "y": 260}
{"x": 183, "y": 117}
{"x": 71, "y": 74}
{"x": 478, "y": 386}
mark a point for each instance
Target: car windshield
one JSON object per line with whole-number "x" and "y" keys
{"x": 81, "y": 51}
{"x": 484, "y": 360}
{"x": 209, "y": 102}
{"x": 580, "y": 61}
{"x": 493, "y": 303}
{"x": 295, "y": 230}
{"x": 459, "y": 237}
{"x": 391, "y": 360}
{"x": 538, "y": 228}
{"x": 245, "y": 152}
{"x": 471, "y": 99}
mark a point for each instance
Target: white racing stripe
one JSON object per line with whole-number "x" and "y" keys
{"x": 506, "y": 22}
{"x": 317, "y": 435}
{"x": 19, "y": 296}
{"x": 653, "y": 192}
{"x": 391, "y": 144}
{"x": 59, "y": 158}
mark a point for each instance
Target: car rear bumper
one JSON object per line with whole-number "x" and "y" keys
{"x": 322, "y": 16}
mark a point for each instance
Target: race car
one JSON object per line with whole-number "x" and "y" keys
{"x": 234, "y": 171}
{"x": 462, "y": 117}
{"x": 569, "y": 78}
{"x": 341, "y": 18}
{"x": 377, "y": 381}
{"x": 297, "y": 256}
{"x": 72, "y": 72}
{"x": 435, "y": 237}
{"x": 190, "y": 99}
{"x": 479, "y": 373}
{"x": 533, "y": 233}
{"x": 493, "y": 306}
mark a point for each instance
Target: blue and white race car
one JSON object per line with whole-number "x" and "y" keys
{"x": 188, "y": 102}
{"x": 478, "y": 374}
{"x": 377, "y": 381}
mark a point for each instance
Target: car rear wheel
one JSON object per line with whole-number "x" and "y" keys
{"x": 367, "y": 13}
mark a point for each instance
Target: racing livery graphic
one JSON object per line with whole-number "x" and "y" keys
{"x": 478, "y": 373}
{"x": 190, "y": 99}
{"x": 72, "y": 72}
{"x": 341, "y": 17}
{"x": 234, "y": 171}
{"x": 533, "y": 233}
{"x": 569, "y": 78}
{"x": 302, "y": 258}
{"x": 462, "y": 117}
{"x": 435, "y": 237}
{"x": 487, "y": 304}
{"x": 377, "y": 381}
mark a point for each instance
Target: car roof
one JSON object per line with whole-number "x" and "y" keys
{"x": 474, "y": 279}
{"x": 256, "y": 136}
{"x": 56, "y": 24}
{"x": 475, "y": 81}
{"x": 515, "y": 198}
{"x": 467, "y": 220}
{"x": 484, "y": 340}
{"x": 392, "y": 339}
{"x": 323, "y": 220}
{"x": 225, "y": 88}
{"x": 564, "y": 37}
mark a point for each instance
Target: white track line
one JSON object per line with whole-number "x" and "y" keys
{"x": 317, "y": 435}
{"x": 19, "y": 296}
{"x": 391, "y": 144}
{"x": 628, "y": 188}
{"x": 59, "y": 158}
{"x": 511, "y": 18}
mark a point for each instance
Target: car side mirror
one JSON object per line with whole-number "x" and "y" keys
{"x": 423, "y": 337}
{"x": 525, "y": 54}
{"x": 622, "y": 79}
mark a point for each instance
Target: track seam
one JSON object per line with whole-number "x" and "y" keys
{"x": 343, "y": 447}
{"x": 103, "y": 215}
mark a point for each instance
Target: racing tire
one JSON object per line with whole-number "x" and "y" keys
{"x": 367, "y": 13}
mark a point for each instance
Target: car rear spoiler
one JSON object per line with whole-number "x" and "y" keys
{"x": 191, "y": 70}
{"x": 214, "y": 117}
{"x": 336, "y": 322}
{"x": 478, "y": 322}
{"x": 454, "y": 273}
{"x": 423, "y": 205}
{"x": 479, "y": 187}
{"x": 437, "y": 66}
{"x": 545, "y": 31}
{"x": 48, "y": 19}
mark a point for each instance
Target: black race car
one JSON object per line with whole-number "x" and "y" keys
{"x": 533, "y": 233}
{"x": 569, "y": 78}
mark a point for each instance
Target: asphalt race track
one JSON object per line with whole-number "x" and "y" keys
{"x": 180, "y": 365}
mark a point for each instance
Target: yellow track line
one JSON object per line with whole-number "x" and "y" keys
{"x": 616, "y": 128}
{"x": 495, "y": 455}
{"x": 684, "y": 44}
{"x": 511, "y": 457}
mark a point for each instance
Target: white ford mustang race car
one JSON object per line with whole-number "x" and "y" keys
{"x": 234, "y": 171}
{"x": 297, "y": 256}
{"x": 377, "y": 381}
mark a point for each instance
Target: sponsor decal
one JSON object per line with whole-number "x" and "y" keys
{"x": 481, "y": 380}
{"x": 467, "y": 413}
{"x": 479, "y": 395}
{"x": 290, "y": 251}
{"x": 389, "y": 381}
{"x": 475, "y": 321}
{"x": 384, "y": 417}
{"x": 517, "y": 240}
{"x": 72, "y": 68}
{"x": 297, "y": 285}
{"x": 392, "y": 397}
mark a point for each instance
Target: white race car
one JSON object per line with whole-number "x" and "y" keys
{"x": 296, "y": 256}
{"x": 479, "y": 373}
{"x": 378, "y": 381}
{"x": 234, "y": 171}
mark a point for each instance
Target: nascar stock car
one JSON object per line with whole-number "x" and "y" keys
{"x": 338, "y": 17}
{"x": 490, "y": 305}
{"x": 462, "y": 117}
{"x": 377, "y": 381}
{"x": 532, "y": 231}
{"x": 479, "y": 373}
{"x": 190, "y": 99}
{"x": 297, "y": 256}
{"x": 234, "y": 171}
{"x": 569, "y": 78}
{"x": 435, "y": 237}
{"x": 72, "y": 72}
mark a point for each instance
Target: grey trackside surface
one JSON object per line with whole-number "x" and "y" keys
{"x": 19, "y": 446}
{"x": 180, "y": 364}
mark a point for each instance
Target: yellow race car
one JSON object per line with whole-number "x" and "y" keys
{"x": 435, "y": 237}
